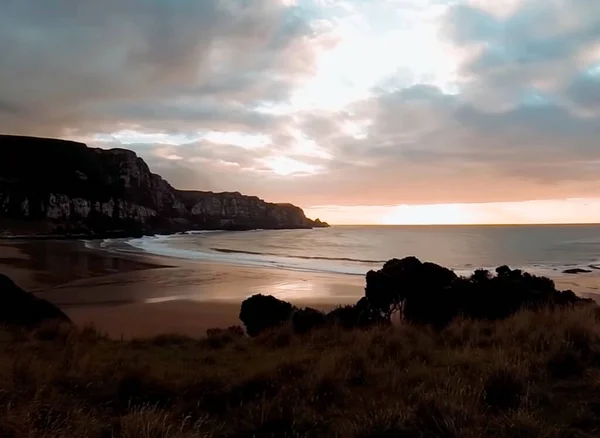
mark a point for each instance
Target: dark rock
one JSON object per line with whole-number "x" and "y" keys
{"x": 318, "y": 223}
{"x": 576, "y": 271}
{"x": 264, "y": 312}
{"x": 56, "y": 187}
{"x": 22, "y": 309}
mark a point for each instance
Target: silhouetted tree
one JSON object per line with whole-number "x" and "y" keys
{"x": 431, "y": 294}
{"x": 262, "y": 312}
{"x": 422, "y": 293}
{"x": 480, "y": 276}
{"x": 406, "y": 282}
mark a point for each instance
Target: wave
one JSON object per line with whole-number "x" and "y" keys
{"x": 159, "y": 245}
{"x": 343, "y": 259}
{"x": 164, "y": 246}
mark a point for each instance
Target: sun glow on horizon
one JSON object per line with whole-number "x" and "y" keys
{"x": 556, "y": 211}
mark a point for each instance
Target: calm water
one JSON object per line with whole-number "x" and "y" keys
{"x": 546, "y": 249}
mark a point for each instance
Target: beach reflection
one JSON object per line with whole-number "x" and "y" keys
{"x": 70, "y": 275}
{"x": 291, "y": 290}
{"x": 57, "y": 262}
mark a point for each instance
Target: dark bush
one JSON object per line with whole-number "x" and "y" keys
{"x": 420, "y": 293}
{"x": 307, "y": 319}
{"x": 134, "y": 388}
{"x": 407, "y": 286}
{"x": 503, "y": 390}
{"x": 170, "y": 339}
{"x": 565, "y": 363}
{"x": 427, "y": 293}
{"x": 233, "y": 331}
{"x": 344, "y": 316}
{"x": 263, "y": 312}
{"x": 358, "y": 315}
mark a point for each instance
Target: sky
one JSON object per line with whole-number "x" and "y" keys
{"x": 359, "y": 111}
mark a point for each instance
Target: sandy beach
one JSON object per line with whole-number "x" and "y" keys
{"x": 133, "y": 295}
{"x": 138, "y": 295}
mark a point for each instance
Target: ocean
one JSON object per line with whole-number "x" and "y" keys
{"x": 353, "y": 250}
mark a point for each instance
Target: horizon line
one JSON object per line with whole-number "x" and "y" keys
{"x": 469, "y": 224}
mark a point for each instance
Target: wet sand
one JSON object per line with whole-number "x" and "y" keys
{"x": 137, "y": 295}
{"x": 133, "y": 295}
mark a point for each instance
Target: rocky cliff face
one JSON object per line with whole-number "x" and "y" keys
{"x": 56, "y": 186}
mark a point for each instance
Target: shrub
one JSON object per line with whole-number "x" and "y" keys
{"x": 426, "y": 293}
{"x": 307, "y": 319}
{"x": 503, "y": 390}
{"x": 263, "y": 312}
{"x": 565, "y": 363}
{"x": 344, "y": 316}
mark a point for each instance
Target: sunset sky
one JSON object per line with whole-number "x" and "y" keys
{"x": 359, "y": 111}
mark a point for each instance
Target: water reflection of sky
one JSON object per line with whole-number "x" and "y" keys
{"x": 290, "y": 290}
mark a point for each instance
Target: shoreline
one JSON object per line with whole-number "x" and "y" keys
{"x": 126, "y": 234}
{"x": 133, "y": 294}
{"x": 130, "y": 294}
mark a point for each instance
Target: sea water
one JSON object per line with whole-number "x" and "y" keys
{"x": 353, "y": 250}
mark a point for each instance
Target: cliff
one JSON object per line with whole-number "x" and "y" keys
{"x": 50, "y": 186}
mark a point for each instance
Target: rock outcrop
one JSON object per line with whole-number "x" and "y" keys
{"x": 22, "y": 309}
{"x": 50, "y": 186}
{"x": 576, "y": 271}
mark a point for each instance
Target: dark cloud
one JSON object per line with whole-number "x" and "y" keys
{"x": 521, "y": 122}
{"x": 584, "y": 89}
{"x": 538, "y": 31}
{"x": 540, "y": 44}
{"x": 70, "y": 63}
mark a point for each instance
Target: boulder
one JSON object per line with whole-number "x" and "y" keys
{"x": 576, "y": 271}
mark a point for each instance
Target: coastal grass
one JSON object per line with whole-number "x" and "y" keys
{"x": 535, "y": 374}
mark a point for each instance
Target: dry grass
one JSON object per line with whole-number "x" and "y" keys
{"x": 532, "y": 375}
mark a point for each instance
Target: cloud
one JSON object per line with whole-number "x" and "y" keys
{"x": 74, "y": 64}
{"x": 584, "y": 89}
{"x": 320, "y": 102}
{"x": 427, "y": 147}
{"x": 540, "y": 44}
